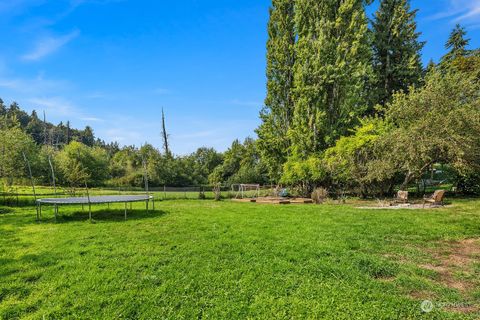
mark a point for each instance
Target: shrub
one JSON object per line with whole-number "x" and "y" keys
{"x": 469, "y": 183}
{"x": 303, "y": 174}
{"x": 319, "y": 195}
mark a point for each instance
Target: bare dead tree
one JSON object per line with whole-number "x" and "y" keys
{"x": 165, "y": 136}
{"x": 44, "y": 128}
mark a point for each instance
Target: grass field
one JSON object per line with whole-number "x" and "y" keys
{"x": 225, "y": 260}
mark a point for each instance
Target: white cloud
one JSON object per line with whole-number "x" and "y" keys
{"x": 99, "y": 95}
{"x": 460, "y": 11}
{"x": 37, "y": 85}
{"x": 198, "y": 134}
{"x": 472, "y": 13}
{"x": 162, "y": 91}
{"x": 49, "y": 45}
{"x": 123, "y": 136}
{"x": 91, "y": 119}
{"x": 61, "y": 109}
{"x": 244, "y": 103}
{"x": 56, "y": 106}
{"x": 12, "y": 6}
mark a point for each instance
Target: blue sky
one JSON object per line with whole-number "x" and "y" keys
{"x": 114, "y": 64}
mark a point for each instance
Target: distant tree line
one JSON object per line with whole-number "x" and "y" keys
{"x": 78, "y": 157}
{"x": 46, "y": 133}
{"x": 84, "y": 159}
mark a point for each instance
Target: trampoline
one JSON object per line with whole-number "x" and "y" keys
{"x": 56, "y": 202}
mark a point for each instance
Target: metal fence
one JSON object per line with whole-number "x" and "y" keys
{"x": 22, "y": 195}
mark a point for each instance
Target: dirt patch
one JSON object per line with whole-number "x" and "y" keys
{"x": 457, "y": 257}
{"x": 409, "y": 206}
{"x": 420, "y": 295}
{"x": 463, "y": 309}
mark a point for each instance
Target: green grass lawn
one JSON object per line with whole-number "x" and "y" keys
{"x": 225, "y": 260}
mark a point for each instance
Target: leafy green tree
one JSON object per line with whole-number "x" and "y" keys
{"x": 332, "y": 67}
{"x": 14, "y": 143}
{"x": 469, "y": 65}
{"x": 200, "y": 164}
{"x": 164, "y": 169}
{"x": 80, "y": 163}
{"x": 396, "y": 49}
{"x": 304, "y": 174}
{"x": 241, "y": 164}
{"x": 356, "y": 162}
{"x": 439, "y": 123}
{"x": 331, "y": 74}
{"x": 43, "y": 169}
{"x": 436, "y": 124}
{"x": 125, "y": 166}
{"x": 457, "y": 45}
{"x": 273, "y": 141}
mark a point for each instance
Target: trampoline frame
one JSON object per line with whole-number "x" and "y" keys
{"x": 89, "y": 200}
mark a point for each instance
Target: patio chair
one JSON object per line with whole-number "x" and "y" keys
{"x": 435, "y": 199}
{"x": 402, "y": 197}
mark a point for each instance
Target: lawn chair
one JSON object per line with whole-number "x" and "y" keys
{"x": 402, "y": 197}
{"x": 435, "y": 199}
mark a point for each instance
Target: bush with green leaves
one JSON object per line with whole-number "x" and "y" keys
{"x": 304, "y": 175}
{"x": 436, "y": 124}
{"x": 80, "y": 163}
{"x": 357, "y": 162}
{"x": 439, "y": 123}
{"x": 241, "y": 164}
{"x": 14, "y": 143}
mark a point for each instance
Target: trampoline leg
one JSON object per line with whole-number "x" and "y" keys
{"x": 38, "y": 215}
{"x": 130, "y": 206}
{"x": 153, "y": 203}
{"x": 90, "y": 211}
{"x": 40, "y": 210}
{"x": 55, "y": 212}
{"x": 125, "y": 211}
{"x": 108, "y": 205}
{"x": 83, "y": 209}
{"x": 146, "y": 205}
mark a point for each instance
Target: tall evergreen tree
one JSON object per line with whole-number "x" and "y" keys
{"x": 35, "y": 128}
{"x": 68, "y": 133}
{"x": 273, "y": 142}
{"x": 87, "y": 137}
{"x": 332, "y": 67}
{"x": 457, "y": 45}
{"x": 3, "y": 108}
{"x": 396, "y": 49}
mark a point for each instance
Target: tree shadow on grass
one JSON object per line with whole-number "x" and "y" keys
{"x": 106, "y": 215}
{"x": 5, "y": 210}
